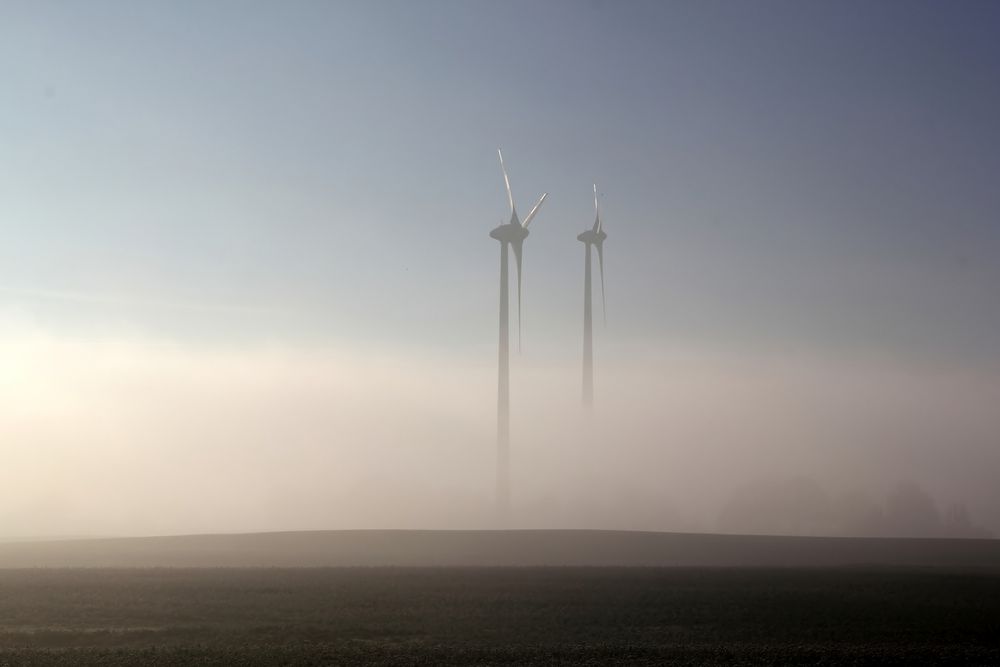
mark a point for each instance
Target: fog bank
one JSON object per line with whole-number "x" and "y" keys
{"x": 134, "y": 435}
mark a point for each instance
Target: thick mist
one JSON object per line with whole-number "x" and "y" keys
{"x": 246, "y": 281}
{"x": 131, "y": 434}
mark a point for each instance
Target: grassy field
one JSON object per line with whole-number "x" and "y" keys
{"x": 314, "y": 616}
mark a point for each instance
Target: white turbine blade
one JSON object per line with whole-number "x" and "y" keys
{"x": 600, "y": 261}
{"x": 527, "y": 221}
{"x": 506, "y": 180}
{"x": 518, "y": 246}
{"x": 597, "y": 211}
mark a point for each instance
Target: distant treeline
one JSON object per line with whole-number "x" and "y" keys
{"x": 801, "y": 506}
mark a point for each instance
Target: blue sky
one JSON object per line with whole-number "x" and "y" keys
{"x": 816, "y": 173}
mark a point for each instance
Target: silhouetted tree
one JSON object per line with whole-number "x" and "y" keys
{"x": 911, "y": 512}
{"x": 800, "y": 506}
{"x": 958, "y": 523}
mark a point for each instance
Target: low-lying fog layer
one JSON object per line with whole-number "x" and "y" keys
{"x": 134, "y": 435}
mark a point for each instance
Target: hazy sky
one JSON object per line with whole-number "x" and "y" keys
{"x": 256, "y": 206}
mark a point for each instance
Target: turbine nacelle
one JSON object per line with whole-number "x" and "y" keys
{"x": 509, "y": 233}
{"x": 590, "y": 236}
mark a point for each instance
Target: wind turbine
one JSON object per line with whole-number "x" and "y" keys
{"x": 592, "y": 237}
{"x": 511, "y": 234}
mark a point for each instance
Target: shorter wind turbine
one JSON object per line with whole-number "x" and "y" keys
{"x": 592, "y": 237}
{"x": 511, "y": 234}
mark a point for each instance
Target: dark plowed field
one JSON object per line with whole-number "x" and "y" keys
{"x": 435, "y": 616}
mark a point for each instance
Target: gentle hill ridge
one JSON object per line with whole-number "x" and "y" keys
{"x": 440, "y": 548}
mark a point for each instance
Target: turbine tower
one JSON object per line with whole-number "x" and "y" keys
{"x": 512, "y": 235}
{"x": 592, "y": 237}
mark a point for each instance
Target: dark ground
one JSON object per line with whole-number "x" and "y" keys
{"x": 432, "y": 616}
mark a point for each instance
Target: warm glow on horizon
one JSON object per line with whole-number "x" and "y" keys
{"x": 137, "y": 435}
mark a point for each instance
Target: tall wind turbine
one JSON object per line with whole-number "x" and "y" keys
{"x": 592, "y": 237}
{"x": 511, "y": 234}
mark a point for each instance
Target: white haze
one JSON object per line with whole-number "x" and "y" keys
{"x": 129, "y": 434}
